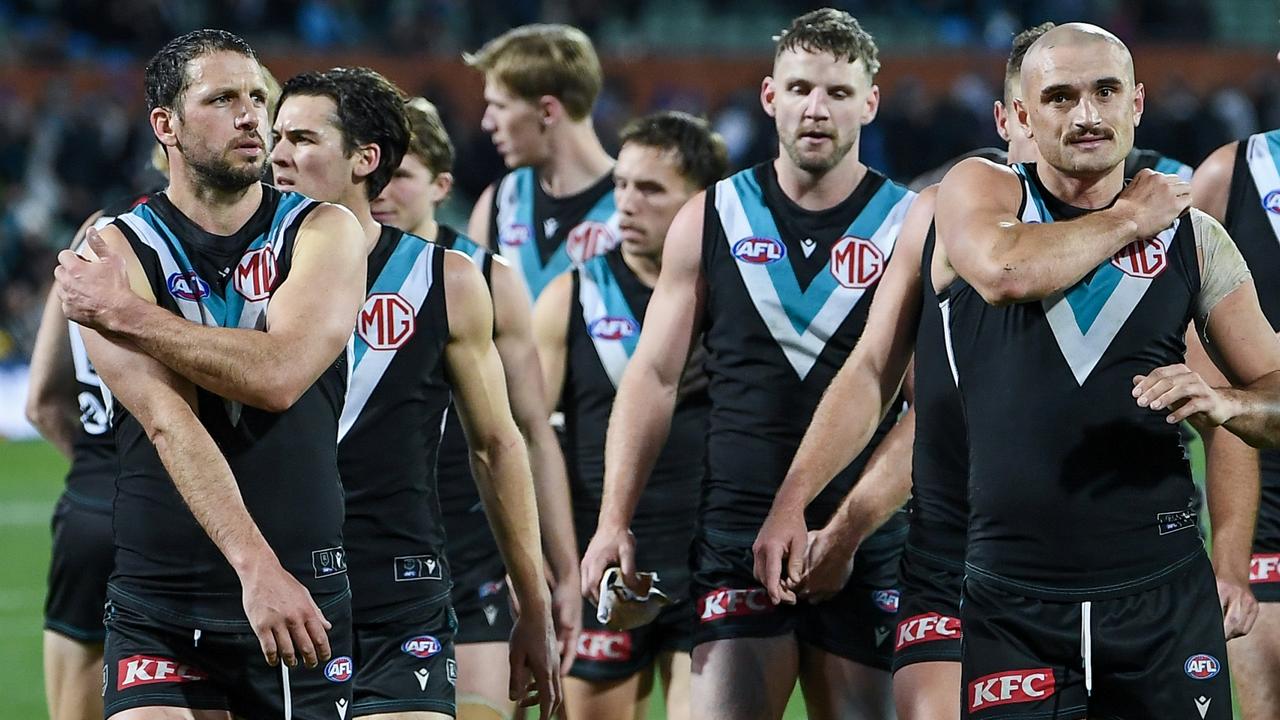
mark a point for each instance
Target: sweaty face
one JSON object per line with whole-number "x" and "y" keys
{"x": 514, "y": 125}
{"x": 648, "y": 191}
{"x": 309, "y": 156}
{"x": 406, "y": 200}
{"x": 1081, "y": 106}
{"x": 819, "y": 104}
{"x": 220, "y": 130}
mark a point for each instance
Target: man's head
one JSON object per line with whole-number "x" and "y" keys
{"x": 1079, "y": 100}
{"x": 536, "y": 78}
{"x": 821, "y": 91}
{"x": 337, "y": 129}
{"x": 666, "y": 158}
{"x": 424, "y": 177}
{"x": 1021, "y": 146}
{"x": 207, "y": 99}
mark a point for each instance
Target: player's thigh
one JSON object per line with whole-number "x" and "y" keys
{"x": 675, "y": 670}
{"x": 745, "y": 678}
{"x": 927, "y": 690}
{"x": 72, "y": 678}
{"x": 483, "y": 680}
{"x": 837, "y": 688}
{"x": 170, "y": 713}
{"x": 618, "y": 698}
{"x": 1255, "y": 665}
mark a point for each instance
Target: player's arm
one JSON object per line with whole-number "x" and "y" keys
{"x": 521, "y": 363}
{"x": 500, "y": 466}
{"x": 851, "y": 409}
{"x": 309, "y": 320}
{"x": 641, "y": 417}
{"x": 1008, "y": 261}
{"x": 1211, "y": 184}
{"x": 551, "y": 334}
{"x": 480, "y": 224}
{"x": 283, "y": 615}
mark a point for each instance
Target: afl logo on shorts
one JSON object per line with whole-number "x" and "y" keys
{"x": 1272, "y": 202}
{"x": 386, "y": 321}
{"x": 514, "y": 235}
{"x": 339, "y": 669}
{"x": 612, "y": 328}
{"x": 422, "y": 646}
{"x": 1201, "y": 667}
{"x": 759, "y": 250}
{"x": 1142, "y": 258}
{"x": 588, "y": 239}
{"x": 187, "y": 286}
{"x": 886, "y": 600}
{"x": 255, "y": 275}
{"x": 856, "y": 262}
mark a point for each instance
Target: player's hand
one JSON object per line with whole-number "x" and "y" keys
{"x": 1239, "y": 607}
{"x": 1154, "y": 200}
{"x": 829, "y": 564}
{"x": 610, "y": 546}
{"x": 1182, "y": 391}
{"x": 535, "y": 662}
{"x": 283, "y": 616}
{"x": 566, "y": 611}
{"x": 92, "y": 292}
{"x": 782, "y": 544}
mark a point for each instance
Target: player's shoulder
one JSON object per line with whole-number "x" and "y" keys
{"x": 1220, "y": 164}
{"x": 978, "y": 177}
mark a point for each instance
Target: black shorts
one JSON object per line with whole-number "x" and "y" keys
{"x": 929, "y": 612}
{"x": 482, "y": 604}
{"x": 1159, "y": 653}
{"x": 1264, "y": 576}
{"x": 407, "y": 663}
{"x": 856, "y": 624}
{"x": 79, "y": 566}
{"x": 605, "y": 654}
{"x": 151, "y": 663}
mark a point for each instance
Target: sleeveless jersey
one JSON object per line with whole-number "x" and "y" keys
{"x": 1152, "y": 160}
{"x": 1075, "y": 491}
{"x": 543, "y": 236}
{"x": 1253, "y": 220}
{"x": 285, "y": 464}
{"x": 787, "y": 298}
{"x": 605, "y": 316}
{"x": 390, "y": 430}
{"x": 939, "y": 509}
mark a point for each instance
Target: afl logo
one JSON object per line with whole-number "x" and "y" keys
{"x": 612, "y": 328}
{"x": 187, "y": 286}
{"x": 588, "y": 239}
{"x": 1272, "y": 202}
{"x": 256, "y": 274}
{"x": 886, "y": 600}
{"x": 759, "y": 250}
{"x": 856, "y": 262}
{"x": 422, "y": 646}
{"x": 1201, "y": 667}
{"x": 1142, "y": 258}
{"x": 386, "y": 321}
{"x": 339, "y": 669}
{"x": 514, "y": 235}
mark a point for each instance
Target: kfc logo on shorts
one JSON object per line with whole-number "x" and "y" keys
{"x": 514, "y": 235}
{"x": 255, "y": 275}
{"x": 928, "y": 627}
{"x": 604, "y": 646}
{"x": 886, "y": 600}
{"x": 856, "y": 262}
{"x": 732, "y": 602}
{"x": 1201, "y": 667}
{"x": 149, "y": 670}
{"x": 1015, "y": 686}
{"x": 339, "y": 669}
{"x": 588, "y": 239}
{"x": 759, "y": 250}
{"x": 1141, "y": 258}
{"x": 187, "y": 286}
{"x": 1272, "y": 202}
{"x": 1264, "y": 568}
{"x": 386, "y": 321}
{"x": 422, "y": 646}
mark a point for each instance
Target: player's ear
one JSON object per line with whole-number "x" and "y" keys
{"x": 163, "y": 121}
{"x": 768, "y": 92}
{"x": 1024, "y": 117}
{"x": 872, "y": 106}
{"x": 1139, "y": 103}
{"x": 1001, "y": 116}
{"x": 365, "y": 159}
{"x": 550, "y": 110}
{"x": 440, "y": 186}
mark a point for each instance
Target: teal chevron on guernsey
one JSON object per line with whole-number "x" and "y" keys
{"x": 1263, "y": 153}
{"x": 604, "y": 305}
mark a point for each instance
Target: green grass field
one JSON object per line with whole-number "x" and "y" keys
{"x": 30, "y": 481}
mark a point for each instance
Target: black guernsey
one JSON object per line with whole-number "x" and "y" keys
{"x": 389, "y": 434}
{"x": 1075, "y": 491}
{"x": 285, "y": 464}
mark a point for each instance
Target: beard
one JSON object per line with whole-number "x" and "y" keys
{"x": 217, "y": 173}
{"x": 819, "y": 163}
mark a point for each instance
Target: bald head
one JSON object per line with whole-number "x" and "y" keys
{"x": 1078, "y": 36}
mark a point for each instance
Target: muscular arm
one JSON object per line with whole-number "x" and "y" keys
{"x": 551, "y": 334}
{"x": 309, "y": 321}
{"x": 480, "y": 223}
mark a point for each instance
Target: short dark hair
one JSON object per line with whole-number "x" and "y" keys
{"x": 830, "y": 31}
{"x": 703, "y": 155}
{"x": 370, "y": 109}
{"x": 166, "y": 76}
{"x": 430, "y": 142}
{"x": 1022, "y": 42}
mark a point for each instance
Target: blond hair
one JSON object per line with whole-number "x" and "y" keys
{"x": 536, "y": 60}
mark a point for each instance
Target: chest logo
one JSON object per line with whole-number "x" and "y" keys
{"x": 514, "y": 235}
{"x": 187, "y": 286}
{"x": 1272, "y": 202}
{"x": 1142, "y": 258}
{"x": 856, "y": 262}
{"x": 255, "y": 274}
{"x": 588, "y": 239}
{"x": 612, "y": 328}
{"x": 759, "y": 250}
{"x": 386, "y": 321}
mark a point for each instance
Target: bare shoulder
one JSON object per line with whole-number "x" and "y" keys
{"x": 1219, "y": 165}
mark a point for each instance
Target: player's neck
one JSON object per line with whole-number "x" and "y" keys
{"x": 819, "y": 192}
{"x": 1090, "y": 193}
{"x": 646, "y": 267}
{"x": 357, "y": 201}
{"x": 575, "y": 161}
{"x": 220, "y": 212}
{"x": 428, "y": 228}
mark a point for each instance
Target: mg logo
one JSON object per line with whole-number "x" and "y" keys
{"x": 386, "y": 321}
{"x": 588, "y": 239}
{"x": 1142, "y": 258}
{"x": 759, "y": 250}
{"x": 256, "y": 274}
{"x": 856, "y": 262}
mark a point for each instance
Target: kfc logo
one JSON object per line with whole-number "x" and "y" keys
{"x": 927, "y": 628}
{"x": 604, "y": 646}
{"x": 732, "y": 602}
{"x": 1264, "y": 568}
{"x": 148, "y": 670}
{"x": 1015, "y": 686}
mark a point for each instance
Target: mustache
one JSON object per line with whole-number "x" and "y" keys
{"x": 1100, "y": 133}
